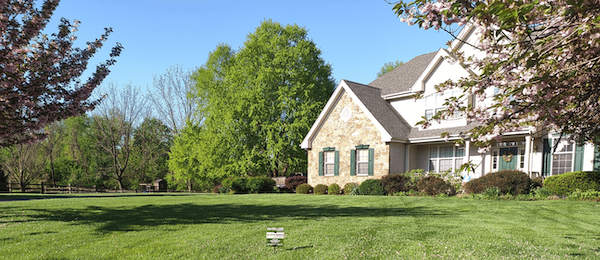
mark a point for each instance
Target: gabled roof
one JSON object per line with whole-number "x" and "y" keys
{"x": 403, "y": 77}
{"x": 390, "y": 124}
{"x": 382, "y": 111}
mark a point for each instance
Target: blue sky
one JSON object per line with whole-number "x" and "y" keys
{"x": 355, "y": 37}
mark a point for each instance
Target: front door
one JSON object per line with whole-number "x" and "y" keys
{"x": 508, "y": 158}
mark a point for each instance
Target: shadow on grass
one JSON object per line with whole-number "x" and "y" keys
{"x": 110, "y": 219}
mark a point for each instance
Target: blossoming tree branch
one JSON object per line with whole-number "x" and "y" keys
{"x": 541, "y": 57}
{"x": 40, "y": 74}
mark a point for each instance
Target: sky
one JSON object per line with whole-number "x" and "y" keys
{"x": 355, "y": 37}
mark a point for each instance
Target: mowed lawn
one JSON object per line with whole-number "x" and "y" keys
{"x": 208, "y": 226}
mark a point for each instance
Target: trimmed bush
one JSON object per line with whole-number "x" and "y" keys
{"x": 394, "y": 183}
{"x": 260, "y": 184}
{"x": 294, "y": 181}
{"x": 434, "y": 185}
{"x": 508, "y": 181}
{"x": 240, "y": 185}
{"x": 320, "y": 189}
{"x": 303, "y": 188}
{"x": 567, "y": 183}
{"x": 333, "y": 189}
{"x": 371, "y": 187}
{"x": 227, "y": 183}
{"x": 349, "y": 187}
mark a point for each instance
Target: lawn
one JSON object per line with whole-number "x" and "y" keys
{"x": 207, "y": 226}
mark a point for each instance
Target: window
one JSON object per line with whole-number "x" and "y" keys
{"x": 522, "y": 159}
{"x": 495, "y": 160}
{"x": 445, "y": 158}
{"x": 562, "y": 158}
{"x": 428, "y": 113}
{"x": 329, "y": 162}
{"x": 361, "y": 161}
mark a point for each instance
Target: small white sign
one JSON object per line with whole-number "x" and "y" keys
{"x": 275, "y": 236}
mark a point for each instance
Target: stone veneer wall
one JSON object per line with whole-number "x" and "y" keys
{"x": 344, "y": 131}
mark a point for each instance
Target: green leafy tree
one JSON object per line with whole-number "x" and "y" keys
{"x": 389, "y": 66}
{"x": 259, "y": 102}
{"x": 151, "y": 142}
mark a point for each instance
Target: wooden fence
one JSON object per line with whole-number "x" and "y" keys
{"x": 46, "y": 189}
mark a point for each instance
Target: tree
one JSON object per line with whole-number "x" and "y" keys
{"x": 151, "y": 143}
{"x": 259, "y": 102}
{"x": 170, "y": 97}
{"x": 24, "y": 163}
{"x": 389, "y": 66}
{"x": 113, "y": 126}
{"x": 40, "y": 78}
{"x": 542, "y": 57}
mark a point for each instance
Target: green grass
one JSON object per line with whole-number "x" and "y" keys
{"x": 199, "y": 226}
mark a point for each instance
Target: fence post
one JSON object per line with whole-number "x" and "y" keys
{"x": 42, "y": 187}
{"x": 94, "y": 188}
{"x": 9, "y": 187}
{"x": 69, "y": 188}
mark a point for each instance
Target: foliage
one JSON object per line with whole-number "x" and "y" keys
{"x": 240, "y": 185}
{"x": 537, "y": 63}
{"x": 542, "y": 193}
{"x": 40, "y": 81}
{"x": 567, "y": 183}
{"x": 491, "y": 193}
{"x": 217, "y": 188}
{"x": 333, "y": 189}
{"x": 508, "y": 181}
{"x": 320, "y": 189}
{"x": 260, "y": 184}
{"x": 293, "y": 181}
{"x": 394, "y": 183}
{"x": 371, "y": 187}
{"x": 536, "y": 182}
{"x": 348, "y": 187}
{"x": 434, "y": 185}
{"x": 257, "y": 103}
{"x": 304, "y": 188}
{"x": 389, "y": 66}
{"x": 593, "y": 195}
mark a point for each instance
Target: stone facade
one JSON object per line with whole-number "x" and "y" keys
{"x": 344, "y": 128}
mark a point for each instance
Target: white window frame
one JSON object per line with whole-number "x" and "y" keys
{"x": 436, "y": 158}
{"x": 496, "y": 157}
{"x": 559, "y": 151}
{"x": 359, "y": 162}
{"x": 326, "y": 156}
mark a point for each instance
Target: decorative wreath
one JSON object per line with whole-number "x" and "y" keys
{"x": 507, "y": 157}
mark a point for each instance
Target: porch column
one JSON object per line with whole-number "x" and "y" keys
{"x": 528, "y": 155}
{"x": 406, "y": 157}
{"x": 468, "y": 153}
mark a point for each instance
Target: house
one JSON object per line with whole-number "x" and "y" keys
{"x": 369, "y": 131}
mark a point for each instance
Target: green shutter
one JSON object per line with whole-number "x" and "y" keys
{"x": 547, "y": 164}
{"x": 320, "y": 163}
{"x": 578, "y": 158}
{"x": 596, "y": 157}
{"x": 352, "y": 162}
{"x": 336, "y": 167}
{"x": 371, "y": 159}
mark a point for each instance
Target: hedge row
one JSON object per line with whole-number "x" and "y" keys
{"x": 507, "y": 181}
{"x": 567, "y": 183}
{"x": 247, "y": 185}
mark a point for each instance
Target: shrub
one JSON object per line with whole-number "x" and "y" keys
{"x": 223, "y": 190}
{"x": 333, "y": 189}
{"x": 371, "y": 187}
{"x": 394, "y": 183}
{"x": 592, "y": 195}
{"x": 536, "y": 182}
{"x": 434, "y": 185}
{"x": 303, "y": 188}
{"x": 294, "y": 181}
{"x": 565, "y": 184}
{"x": 240, "y": 185}
{"x": 542, "y": 193}
{"x": 320, "y": 189}
{"x": 508, "y": 181}
{"x": 491, "y": 193}
{"x": 217, "y": 188}
{"x": 260, "y": 184}
{"x": 413, "y": 178}
{"x": 349, "y": 187}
